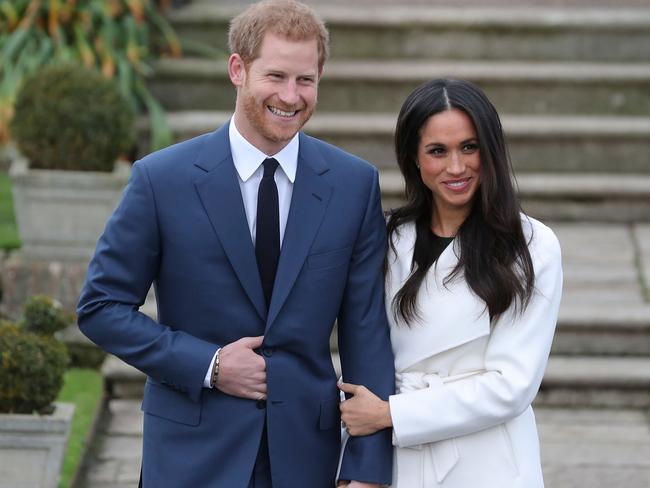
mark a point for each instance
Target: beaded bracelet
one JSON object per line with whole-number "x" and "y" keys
{"x": 215, "y": 370}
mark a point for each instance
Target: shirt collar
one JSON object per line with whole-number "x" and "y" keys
{"x": 247, "y": 158}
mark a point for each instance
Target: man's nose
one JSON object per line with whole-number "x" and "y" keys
{"x": 289, "y": 93}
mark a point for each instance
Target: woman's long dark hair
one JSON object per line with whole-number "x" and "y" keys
{"x": 494, "y": 257}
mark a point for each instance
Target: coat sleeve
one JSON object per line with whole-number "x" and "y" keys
{"x": 364, "y": 342}
{"x": 119, "y": 276}
{"x": 515, "y": 360}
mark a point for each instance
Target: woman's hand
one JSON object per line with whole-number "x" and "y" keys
{"x": 365, "y": 413}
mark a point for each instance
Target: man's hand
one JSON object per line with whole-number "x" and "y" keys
{"x": 365, "y": 413}
{"x": 242, "y": 372}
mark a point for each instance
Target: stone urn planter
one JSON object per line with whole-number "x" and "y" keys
{"x": 61, "y": 214}
{"x": 33, "y": 427}
{"x": 70, "y": 126}
{"x": 32, "y": 447}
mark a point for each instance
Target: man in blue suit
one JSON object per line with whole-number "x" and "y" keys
{"x": 257, "y": 238}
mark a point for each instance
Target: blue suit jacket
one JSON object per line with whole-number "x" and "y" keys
{"x": 181, "y": 226}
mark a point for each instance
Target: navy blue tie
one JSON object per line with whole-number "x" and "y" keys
{"x": 267, "y": 238}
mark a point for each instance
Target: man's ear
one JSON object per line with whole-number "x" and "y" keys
{"x": 236, "y": 70}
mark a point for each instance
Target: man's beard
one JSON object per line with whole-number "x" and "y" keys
{"x": 256, "y": 113}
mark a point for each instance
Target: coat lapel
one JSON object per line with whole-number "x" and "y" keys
{"x": 311, "y": 194}
{"x": 449, "y": 316}
{"x": 219, "y": 191}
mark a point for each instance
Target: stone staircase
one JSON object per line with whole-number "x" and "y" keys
{"x": 573, "y": 87}
{"x": 571, "y": 84}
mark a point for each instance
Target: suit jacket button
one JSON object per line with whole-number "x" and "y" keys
{"x": 267, "y": 351}
{"x": 260, "y": 404}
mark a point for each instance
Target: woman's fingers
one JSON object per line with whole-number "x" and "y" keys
{"x": 349, "y": 388}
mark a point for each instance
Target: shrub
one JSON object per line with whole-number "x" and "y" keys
{"x": 72, "y": 118}
{"x": 32, "y": 361}
{"x": 31, "y": 370}
{"x": 44, "y": 316}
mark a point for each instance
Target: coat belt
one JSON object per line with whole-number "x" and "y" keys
{"x": 442, "y": 455}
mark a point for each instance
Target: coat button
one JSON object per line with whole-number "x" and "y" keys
{"x": 267, "y": 352}
{"x": 260, "y": 404}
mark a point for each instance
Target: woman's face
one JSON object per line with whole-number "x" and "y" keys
{"x": 449, "y": 160}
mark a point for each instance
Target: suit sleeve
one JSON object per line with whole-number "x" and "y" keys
{"x": 515, "y": 360}
{"x": 364, "y": 342}
{"x": 119, "y": 276}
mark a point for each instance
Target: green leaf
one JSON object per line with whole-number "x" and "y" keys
{"x": 15, "y": 41}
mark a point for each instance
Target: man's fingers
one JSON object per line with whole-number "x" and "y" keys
{"x": 252, "y": 342}
{"x": 258, "y": 374}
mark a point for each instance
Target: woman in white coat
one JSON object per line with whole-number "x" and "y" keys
{"x": 473, "y": 290}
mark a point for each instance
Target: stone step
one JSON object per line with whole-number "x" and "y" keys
{"x": 568, "y": 381}
{"x": 594, "y": 447}
{"x": 427, "y": 31}
{"x": 598, "y": 329}
{"x": 560, "y": 144}
{"x": 596, "y": 382}
{"x": 122, "y": 380}
{"x": 382, "y": 86}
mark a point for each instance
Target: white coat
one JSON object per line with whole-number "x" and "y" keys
{"x": 462, "y": 414}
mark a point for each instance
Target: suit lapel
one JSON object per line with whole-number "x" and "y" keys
{"x": 219, "y": 191}
{"x": 311, "y": 194}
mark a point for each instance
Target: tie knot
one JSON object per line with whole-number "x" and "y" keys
{"x": 270, "y": 165}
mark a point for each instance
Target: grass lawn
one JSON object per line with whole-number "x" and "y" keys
{"x": 8, "y": 231}
{"x": 83, "y": 387}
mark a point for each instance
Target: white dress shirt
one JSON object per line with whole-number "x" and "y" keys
{"x": 248, "y": 163}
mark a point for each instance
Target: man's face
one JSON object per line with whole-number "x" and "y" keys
{"x": 277, "y": 92}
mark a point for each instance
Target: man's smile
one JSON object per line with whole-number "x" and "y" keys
{"x": 281, "y": 113}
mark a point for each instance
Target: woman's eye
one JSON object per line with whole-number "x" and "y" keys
{"x": 470, "y": 148}
{"x": 437, "y": 151}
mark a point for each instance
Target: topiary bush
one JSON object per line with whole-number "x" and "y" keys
{"x": 32, "y": 361}
{"x": 69, "y": 117}
{"x": 31, "y": 370}
{"x": 44, "y": 316}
